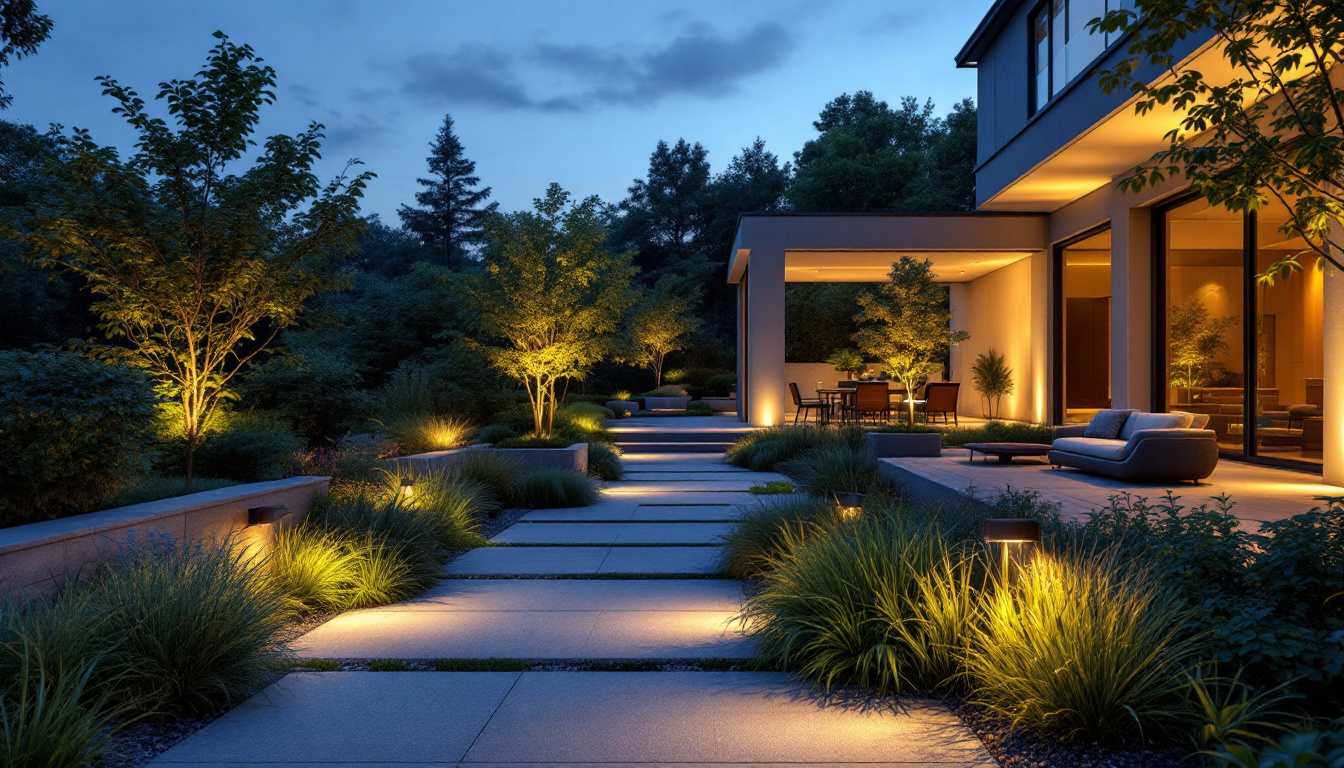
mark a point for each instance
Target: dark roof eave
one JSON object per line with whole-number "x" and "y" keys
{"x": 985, "y": 32}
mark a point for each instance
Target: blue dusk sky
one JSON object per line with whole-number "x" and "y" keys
{"x": 573, "y": 92}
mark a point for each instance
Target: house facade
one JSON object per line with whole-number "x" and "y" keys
{"x": 1097, "y": 297}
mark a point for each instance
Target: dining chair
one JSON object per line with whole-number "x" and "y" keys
{"x": 871, "y": 399}
{"x": 802, "y": 406}
{"x": 940, "y": 397}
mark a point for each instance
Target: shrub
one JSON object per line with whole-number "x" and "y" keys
{"x": 999, "y": 432}
{"x": 494, "y": 471}
{"x": 773, "y": 487}
{"x": 409, "y": 393}
{"x": 721, "y": 385}
{"x": 312, "y": 386}
{"x": 582, "y": 418}
{"x": 517, "y": 418}
{"x": 354, "y": 462}
{"x": 249, "y": 447}
{"x": 882, "y": 603}
{"x": 554, "y": 488}
{"x": 531, "y": 441}
{"x": 830, "y": 469}
{"x": 699, "y": 408}
{"x": 667, "y": 390}
{"x": 419, "y": 433}
{"x": 73, "y": 431}
{"x": 762, "y": 449}
{"x": 1084, "y": 645}
{"x": 155, "y": 487}
{"x": 768, "y": 530}
{"x": 496, "y": 433}
{"x": 189, "y": 628}
{"x": 604, "y": 461}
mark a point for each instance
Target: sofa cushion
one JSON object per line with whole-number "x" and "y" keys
{"x": 1111, "y": 450}
{"x": 1137, "y": 421}
{"x": 1106, "y": 424}
{"x": 1197, "y": 420}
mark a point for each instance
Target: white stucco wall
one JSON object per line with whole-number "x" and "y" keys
{"x": 997, "y": 310}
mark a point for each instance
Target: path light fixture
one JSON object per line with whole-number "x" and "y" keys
{"x": 851, "y": 505}
{"x": 1007, "y": 531}
{"x": 407, "y": 487}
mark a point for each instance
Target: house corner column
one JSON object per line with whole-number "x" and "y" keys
{"x": 1131, "y": 305}
{"x": 1333, "y": 402}
{"x": 1041, "y": 311}
{"x": 764, "y": 357}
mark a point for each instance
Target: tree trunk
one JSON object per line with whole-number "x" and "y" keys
{"x": 658, "y": 372}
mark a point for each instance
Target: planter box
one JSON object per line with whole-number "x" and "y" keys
{"x": 895, "y": 445}
{"x": 629, "y": 407}
{"x": 720, "y": 404}
{"x": 37, "y": 558}
{"x": 574, "y": 457}
{"x": 666, "y": 403}
{"x": 434, "y": 461}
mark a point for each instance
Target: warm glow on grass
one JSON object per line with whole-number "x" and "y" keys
{"x": 432, "y": 433}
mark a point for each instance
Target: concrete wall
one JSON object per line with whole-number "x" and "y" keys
{"x": 998, "y": 311}
{"x": 37, "y": 558}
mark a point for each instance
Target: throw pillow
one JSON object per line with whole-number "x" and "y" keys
{"x": 1106, "y": 424}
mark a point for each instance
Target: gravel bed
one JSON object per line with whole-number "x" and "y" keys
{"x": 1022, "y": 749}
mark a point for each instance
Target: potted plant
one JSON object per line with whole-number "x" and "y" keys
{"x": 993, "y": 379}
{"x": 847, "y": 361}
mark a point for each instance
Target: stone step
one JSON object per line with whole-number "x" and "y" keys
{"x": 674, "y": 447}
{"x": 676, "y": 435}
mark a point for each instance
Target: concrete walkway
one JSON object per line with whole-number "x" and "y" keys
{"x": 527, "y": 599}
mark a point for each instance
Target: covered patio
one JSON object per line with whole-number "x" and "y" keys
{"x": 995, "y": 265}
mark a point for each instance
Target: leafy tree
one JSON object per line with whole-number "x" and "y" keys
{"x": 453, "y": 209}
{"x": 195, "y": 267}
{"x": 22, "y": 30}
{"x": 1195, "y": 341}
{"x": 553, "y": 295}
{"x": 992, "y": 379}
{"x": 870, "y": 157}
{"x": 664, "y": 213}
{"x": 847, "y": 361}
{"x": 662, "y": 322}
{"x": 1273, "y": 130}
{"x": 907, "y": 325}
{"x": 390, "y": 251}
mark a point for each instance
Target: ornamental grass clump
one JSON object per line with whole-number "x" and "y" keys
{"x": 881, "y": 603}
{"x": 763, "y": 449}
{"x": 453, "y": 506}
{"x": 604, "y": 461}
{"x": 314, "y": 569}
{"x": 551, "y": 488}
{"x": 497, "y": 472}
{"x": 1084, "y": 645}
{"x": 51, "y": 722}
{"x": 769, "y": 530}
{"x": 422, "y": 432}
{"x": 833, "y": 468}
{"x": 397, "y": 553}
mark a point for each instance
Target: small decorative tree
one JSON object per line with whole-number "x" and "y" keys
{"x": 661, "y": 323}
{"x": 908, "y": 325}
{"x": 552, "y": 294}
{"x": 993, "y": 379}
{"x": 195, "y": 261}
{"x": 1195, "y": 341}
{"x": 848, "y": 361}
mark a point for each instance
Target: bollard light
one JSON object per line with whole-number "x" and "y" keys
{"x": 851, "y": 505}
{"x": 407, "y": 487}
{"x": 1007, "y": 531}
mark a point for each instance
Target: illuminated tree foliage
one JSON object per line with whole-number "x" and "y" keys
{"x": 195, "y": 262}
{"x": 1196, "y": 341}
{"x": 22, "y": 30}
{"x": 1273, "y": 130}
{"x": 551, "y": 294}
{"x": 907, "y": 325}
{"x": 662, "y": 323}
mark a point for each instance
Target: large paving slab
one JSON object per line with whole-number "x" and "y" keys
{"x": 572, "y": 718}
{"x": 568, "y": 533}
{"x": 576, "y": 595}
{"x": 693, "y": 482}
{"x": 616, "y": 492}
{"x": 540, "y": 561}
{"x": 711, "y": 513}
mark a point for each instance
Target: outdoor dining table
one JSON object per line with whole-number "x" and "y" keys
{"x": 838, "y": 396}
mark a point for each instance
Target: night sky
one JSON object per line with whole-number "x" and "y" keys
{"x": 572, "y": 92}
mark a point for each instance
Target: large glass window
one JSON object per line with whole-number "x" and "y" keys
{"x": 1061, "y": 46}
{"x": 1252, "y": 361}
{"x": 1086, "y": 319}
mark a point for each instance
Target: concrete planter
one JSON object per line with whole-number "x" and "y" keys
{"x": 38, "y": 558}
{"x": 720, "y": 404}
{"x": 628, "y": 407}
{"x": 574, "y": 457}
{"x": 666, "y": 403}
{"x": 895, "y": 445}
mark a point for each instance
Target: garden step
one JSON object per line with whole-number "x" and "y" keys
{"x": 675, "y": 435}
{"x": 675, "y": 447}
{"x": 607, "y": 561}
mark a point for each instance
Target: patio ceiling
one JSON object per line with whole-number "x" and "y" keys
{"x": 872, "y": 266}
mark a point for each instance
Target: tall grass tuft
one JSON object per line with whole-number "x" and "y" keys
{"x": 452, "y": 505}
{"x": 422, "y": 432}
{"x": 190, "y": 628}
{"x": 496, "y": 472}
{"x": 51, "y": 722}
{"x": 851, "y": 605}
{"x": 604, "y": 461}
{"x": 834, "y": 468}
{"x": 395, "y": 549}
{"x": 553, "y": 488}
{"x": 763, "y": 449}
{"x": 64, "y": 634}
{"x": 314, "y": 569}
{"x": 1087, "y": 646}
{"x": 383, "y": 571}
{"x": 768, "y": 530}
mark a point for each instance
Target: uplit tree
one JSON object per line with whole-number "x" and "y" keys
{"x": 196, "y": 262}
{"x": 551, "y": 294}
{"x": 453, "y": 207}
{"x": 907, "y": 325}
{"x": 662, "y": 322}
{"x": 1273, "y": 129}
{"x": 1195, "y": 341}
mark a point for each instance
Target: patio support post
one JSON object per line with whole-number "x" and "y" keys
{"x": 1131, "y": 305}
{"x": 1333, "y": 401}
{"x": 766, "y": 403}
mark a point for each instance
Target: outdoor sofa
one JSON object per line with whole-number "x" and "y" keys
{"x": 1145, "y": 447}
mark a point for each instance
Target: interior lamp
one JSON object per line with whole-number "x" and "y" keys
{"x": 851, "y": 505}
{"x": 1006, "y": 531}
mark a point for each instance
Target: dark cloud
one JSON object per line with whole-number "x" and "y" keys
{"x": 893, "y": 21}
{"x": 304, "y": 95}
{"x": 349, "y": 131}
{"x": 697, "y": 62}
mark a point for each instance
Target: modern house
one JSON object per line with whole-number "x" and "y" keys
{"x": 1091, "y": 293}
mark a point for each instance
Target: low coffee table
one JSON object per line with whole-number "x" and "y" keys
{"x": 1006, "y": 451}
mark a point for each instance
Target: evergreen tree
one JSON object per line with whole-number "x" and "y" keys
{"x": 453, "y": 209}
{"x": 663, "y": 216}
